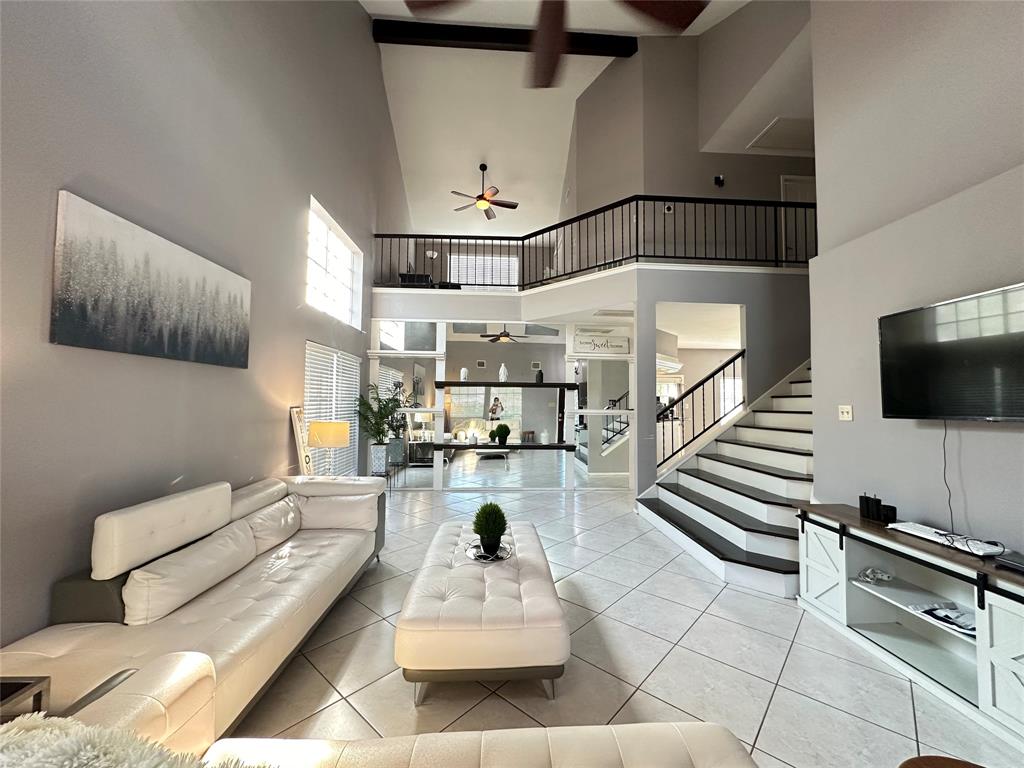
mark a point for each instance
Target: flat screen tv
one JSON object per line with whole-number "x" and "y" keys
{"x": 959, "y": 359}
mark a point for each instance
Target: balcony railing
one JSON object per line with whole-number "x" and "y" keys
{"x": 640, "y": 228}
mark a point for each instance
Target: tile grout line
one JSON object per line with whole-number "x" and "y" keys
{"x": 775, "y": 686}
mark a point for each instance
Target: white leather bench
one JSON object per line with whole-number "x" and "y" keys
{"x": 466, "y": 620}
{"x": 641, "y": 745}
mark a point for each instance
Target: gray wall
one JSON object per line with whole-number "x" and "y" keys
{"x": 539, "y": 405}
{"x": 698, "y": 363}
{"x": 209, "y": 124}
{"x": 920, "y": 198}
{"x": 776, "y": 333}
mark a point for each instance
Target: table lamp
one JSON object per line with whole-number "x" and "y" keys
{"x": 328, "y": 434}
{"x": 421, "y": 419}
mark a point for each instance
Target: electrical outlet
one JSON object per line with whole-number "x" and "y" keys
{"x": 846, "y": 413}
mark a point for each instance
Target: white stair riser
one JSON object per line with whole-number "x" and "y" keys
{"x": 791, "y": 403}
{"x": 780, "y": 486}
{"x": 802, "y": 388}
{"x": 769, "y": 582}
{"x": 749, "y": 541}
{"x": 794, "y": 462}
{"x": 783, "y": 439}
{"x": 613, "y": 445}
{"x": 768, "y": 513}
{"x": 784, "y": 420}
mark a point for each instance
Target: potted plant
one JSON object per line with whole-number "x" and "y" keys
{"x": 376, "y": 415}
{"x": 492, "y": 435}
{"x": 502, "y": 431}
{"x": 489, "y": 524}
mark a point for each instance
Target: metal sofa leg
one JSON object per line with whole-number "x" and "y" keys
{"x": 549, "y": 687}
{"x": 419, "y": 690}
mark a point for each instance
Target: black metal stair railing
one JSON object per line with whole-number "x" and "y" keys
{"x": 638, "y": 228}
{"x": 617, "y": 424}
{"x": 697, "y": 410}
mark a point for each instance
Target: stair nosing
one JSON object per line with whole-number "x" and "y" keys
{"x": 783, "y": 500}
{"x": 774, "y": 397}
{"x": 790, "y": 534}
{"x": 765, "y": 447}
{"x": 764, "y": 469}
{"x": 766, "y": 410}
{"x": 801, "y": 381}
{"x": 792, "y": 567}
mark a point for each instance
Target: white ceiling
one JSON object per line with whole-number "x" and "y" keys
{"x": 454, "y": 108}
{"x": 701, "y": 326}
{"x": 581, "y": 15}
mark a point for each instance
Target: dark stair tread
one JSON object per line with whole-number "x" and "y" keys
{"x": 801, "y": 381}
{"x": 720, "y": 547}
{"x": 777, "y": 429}
{"x": 763, "y": 447}
{"x": 776, "y": 397}
{"x": 753, "y": 466}
{"x": 730, "y": 515}
{"x": 769, "y": 410}
{"x": 742, "y": 489}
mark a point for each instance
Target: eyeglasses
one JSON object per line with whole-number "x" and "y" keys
{"x": 975, "y": 546}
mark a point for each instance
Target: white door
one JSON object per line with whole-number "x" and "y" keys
{"x": 798, "y": 227}
{"x": 823, "y": 571}
{"x": 1001, "y": 660}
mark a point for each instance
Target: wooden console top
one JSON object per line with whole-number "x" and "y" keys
{"x": 850, "y": 517}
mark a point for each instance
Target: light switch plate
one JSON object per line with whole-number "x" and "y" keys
{"x": 846, "y": 413}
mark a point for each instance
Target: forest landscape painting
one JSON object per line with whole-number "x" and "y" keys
{"x": 121, "y": 288}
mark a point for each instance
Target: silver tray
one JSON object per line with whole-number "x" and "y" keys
{"x": 474, "y": 552}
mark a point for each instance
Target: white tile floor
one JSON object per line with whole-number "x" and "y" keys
{"x": 526, "y": 469}
{"x": 655, "y": 636}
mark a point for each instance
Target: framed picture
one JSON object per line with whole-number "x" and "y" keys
{"x": 119, "y": 287}
{"x": 301, "y": 446}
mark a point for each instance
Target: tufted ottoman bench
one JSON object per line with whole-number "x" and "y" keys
{"x": 466, "y": 620}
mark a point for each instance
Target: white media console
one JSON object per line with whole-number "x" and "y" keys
{"x": 982, "y": 676}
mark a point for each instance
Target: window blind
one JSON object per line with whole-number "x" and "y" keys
{"x": 331, "y": 392}
{"x": 388, "y": 379}
{"x": 483, "y": 271}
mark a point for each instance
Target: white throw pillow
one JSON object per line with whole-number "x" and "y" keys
{"x": 159, "y": 587}
{"x": 358, "y": 512}
{"x": 274, "y": 523}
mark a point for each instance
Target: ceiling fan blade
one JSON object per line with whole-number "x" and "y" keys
{"x": 495, "y": 339}
{"x": 505, "y": 203}
{"x": 678, "y": 14}
{"x": 463, "y": 194}
{"x": 513, "y": 336}
{"x": 549, "y": 41}
{"x": 513, "y": 339}
{"x": 489, "y": 213}
{"x": 417, "y": 6}
{"x": 464, "y": 207}
{"x": 490, "y": 192}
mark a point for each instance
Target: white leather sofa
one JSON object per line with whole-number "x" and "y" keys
{"x": 643, "y": 745}
{"x": 218, "y": 589}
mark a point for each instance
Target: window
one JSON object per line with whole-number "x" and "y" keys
{"x": 991, "y": 315}
{"x": 389, "y": 379}
{"x": 730, "y": 393}
{"x": 483, "y": 271}
{"x": 334, "y": 268}
{"x": 511, "y": 400}
{"x": 331, "y": 392}
{"x": 467, "y": 403}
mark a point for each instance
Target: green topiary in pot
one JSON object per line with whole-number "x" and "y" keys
{"x": 489, "y": 524}
{"x": 502, "y": 432}
{"x": 492, "y": 435}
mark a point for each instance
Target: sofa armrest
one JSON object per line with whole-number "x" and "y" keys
{"x": 168, "y": 701}
{"x": 81, "y": 598}
{"x": 323, "y": 485}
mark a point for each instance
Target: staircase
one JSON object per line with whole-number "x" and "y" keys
{"x": 732, "y": 505}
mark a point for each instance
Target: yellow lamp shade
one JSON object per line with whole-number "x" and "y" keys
{"x": 328, "y": 434}
{"x": 423, "y": 418}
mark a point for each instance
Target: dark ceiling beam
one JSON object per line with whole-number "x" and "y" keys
{"x": 494, "y": 38}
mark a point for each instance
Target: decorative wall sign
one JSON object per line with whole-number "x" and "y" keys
{"x": 601, "y": 345}
{"x": 119, "y": 287}
{"x": 301, "y": 446}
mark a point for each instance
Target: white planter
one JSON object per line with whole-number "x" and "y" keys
{"x": 378, "y": 458}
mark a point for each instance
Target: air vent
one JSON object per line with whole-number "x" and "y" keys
{"x": 614, "y": 313}
{"x": 793, "y": 134}
{"x": 481, "y": 363}
{"x": 598, "y": 331}
{"x": 540, "y": 330}
{"x": 535, "y": 365}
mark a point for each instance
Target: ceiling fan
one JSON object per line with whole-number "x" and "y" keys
{"x": 485, "y": 201}
{"x": 549, "y": 39}
{"x": 503, "y": 336}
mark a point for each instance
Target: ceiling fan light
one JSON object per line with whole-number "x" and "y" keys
{"x": 482, "y": 204}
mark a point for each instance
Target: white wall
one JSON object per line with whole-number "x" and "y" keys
{"x": 919, "y": 115}
{"x": 209, "y": 124}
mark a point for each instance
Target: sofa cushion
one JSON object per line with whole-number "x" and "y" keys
{"x": 322, "y": 485}
{"x": 158, "y": 588}
{"x": 256, "y": 496}
{"x": 638, "y": 745}
{"x": 275, "y": 523}
{"x": 359, "y": 512}
{"x": 128, "y": 537}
